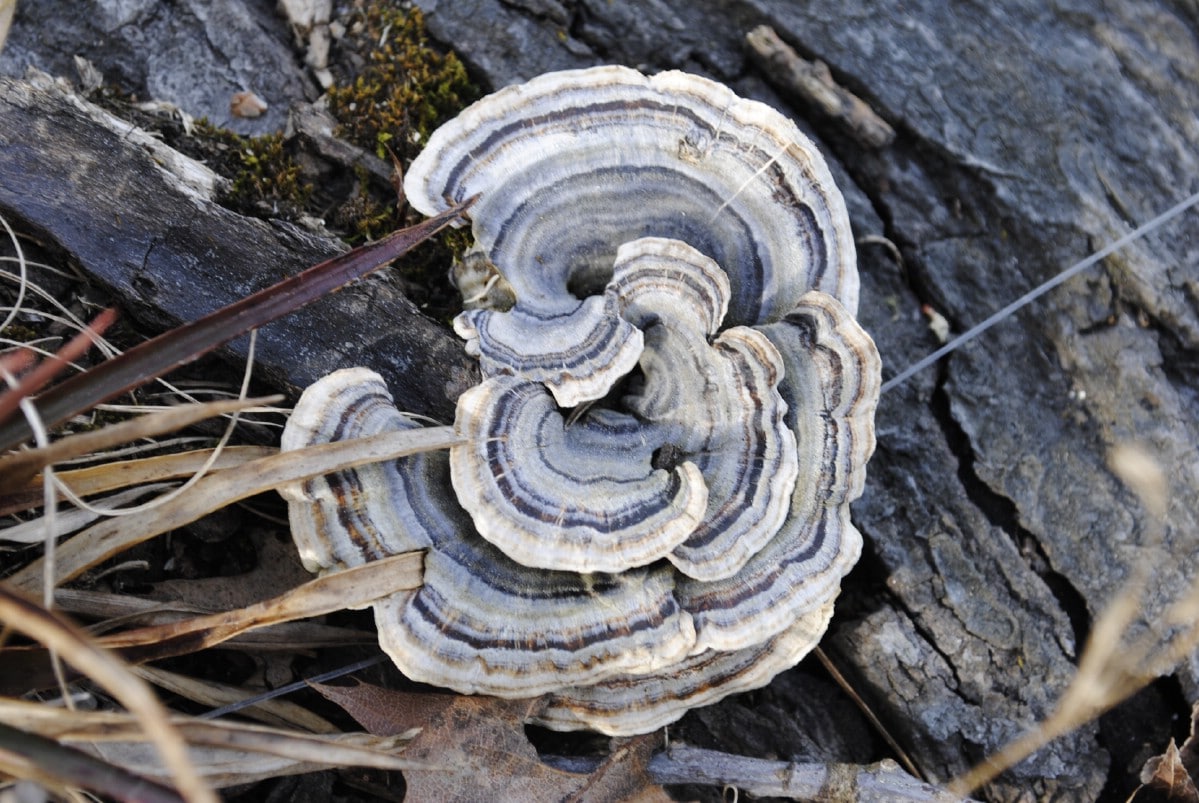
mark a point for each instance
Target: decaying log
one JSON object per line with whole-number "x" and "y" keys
{"x": 142, "y": 220}
{"x": 1027, "y": 135}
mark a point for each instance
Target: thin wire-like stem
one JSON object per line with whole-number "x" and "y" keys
{"x": 1040, "y": 290}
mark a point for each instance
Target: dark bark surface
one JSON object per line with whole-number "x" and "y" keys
{"x": 149, "y": 230}
{"x": 1027, "y": 135}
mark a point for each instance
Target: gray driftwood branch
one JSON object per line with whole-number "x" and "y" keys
{"x": 881, "y": 781}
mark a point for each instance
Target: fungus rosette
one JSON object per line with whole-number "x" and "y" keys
{"x": 649, "y": 509}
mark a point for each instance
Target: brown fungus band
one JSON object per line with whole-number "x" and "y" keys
{"x": 650, "y": 507}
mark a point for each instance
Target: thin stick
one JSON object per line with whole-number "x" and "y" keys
{"x": 875, "y": 722}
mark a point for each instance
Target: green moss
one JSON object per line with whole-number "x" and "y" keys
{"x": 406, "y": 88}
{"x": 268, "y": 172}
{"x": 265, "y": 178}
{"x": 367, "y": 215}
{"x": 403, "y": 91}
{"x": 20, "y": 333}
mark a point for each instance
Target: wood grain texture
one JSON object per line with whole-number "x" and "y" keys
{"x": 142, "y": 221}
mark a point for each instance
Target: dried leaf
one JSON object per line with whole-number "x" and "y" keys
{"x": 475, "y": 748}
{"x": 385, "y": 712}
{"x": 1170, "y": 777}
{"x": 1165, "y": 779}
{"x": 624, "y": 775}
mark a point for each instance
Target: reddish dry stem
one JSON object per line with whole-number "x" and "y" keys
{"x": 52, "y": 366}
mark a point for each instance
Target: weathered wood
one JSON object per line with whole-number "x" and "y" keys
{"x": 141, "y": 219}
{"x": 883, "y": 782}
{"x": 1026, "y": 135}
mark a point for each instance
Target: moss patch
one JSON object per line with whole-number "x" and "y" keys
{"x": 266, "y": 181}
{"x": 393, "y": 89}
{"x": 404, "y": 89}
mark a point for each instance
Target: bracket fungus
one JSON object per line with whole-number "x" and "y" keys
{"x": 649, "y": 506}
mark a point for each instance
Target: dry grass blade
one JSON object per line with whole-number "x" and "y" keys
{"x": 1112, "y": 667}
{"x": 185, "y": 343}
{"x": 124, "y": 611}
{"x": 17, "y": 467}
{"x": 75, "y": 647}
{"x": 108, "y": 538}
{"x": 7, "y": 7}
{"x": 1107, "y": 673}
{"x": 351, "y": 588}
{"x": 236, "y": 751}
{"x": 100, "y": 479}
{"x": 875, "y": 722}
{"x": 36, "y": 531}
{"x": 274, "y": 712}
{"x": 79, "y": 769}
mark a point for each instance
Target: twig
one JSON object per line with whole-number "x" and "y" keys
{"x": 875, "y": 722}
{"x": 884, "y": 781}
{"x": 812, "y": 82}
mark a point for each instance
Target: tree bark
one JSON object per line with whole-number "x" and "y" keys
{"x": 1025, "y": 136}
{"x": 143, "y": 221}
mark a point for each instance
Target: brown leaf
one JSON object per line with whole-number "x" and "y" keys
{"x": 382, "y": 711}
{"x": 624, "y": 775}
{"x": 480, "y": 752}
{"x": 1165, "y": 779}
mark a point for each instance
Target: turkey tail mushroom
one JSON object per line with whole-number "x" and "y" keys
{"x": 649, "y": 507}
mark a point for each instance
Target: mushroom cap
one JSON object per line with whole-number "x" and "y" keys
{"x": 716, "y": 398}
{"x": 635, "y": 704}
{"x": 619, "y": 652}
{"x": 577, "y": 354}
{"x": 584, "y": 498}
{"x": 681, "y": 261}
{"x": 481, "y": 623}
{"x": 347, "y": 518}
{"x": 831, "y": 379}
{"x": 572, "y": 164}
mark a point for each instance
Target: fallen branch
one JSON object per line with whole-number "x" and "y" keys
{"x": 813, "y": 84}
{"x": 884, "y": 781}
